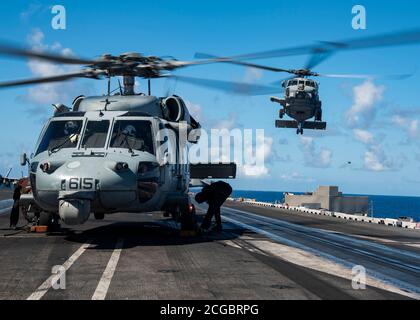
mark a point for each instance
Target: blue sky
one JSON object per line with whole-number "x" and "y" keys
{"x": 382, "y": 146}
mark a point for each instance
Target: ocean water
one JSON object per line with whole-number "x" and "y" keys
{"x": 381, "y": 206}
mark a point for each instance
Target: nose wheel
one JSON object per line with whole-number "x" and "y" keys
{"x": 299, "y": 129}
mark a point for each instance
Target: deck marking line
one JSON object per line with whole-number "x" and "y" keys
{"x": 44, "y": 287}
{"x": 103, "y": 285}
{"x": 331, "y": 235}
{"x": 386, "y": 282}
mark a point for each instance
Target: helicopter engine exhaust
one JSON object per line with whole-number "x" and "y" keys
{"x": 175, "y": 108}
{"x": 74, "y": 211}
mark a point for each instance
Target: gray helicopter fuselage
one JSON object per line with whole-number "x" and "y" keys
{"x": 301, "y": 99}
{"x": 109, "y": 158}
{"x": 301, "y": 103}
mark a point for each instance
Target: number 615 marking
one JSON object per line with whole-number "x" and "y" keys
{"x": 81, "y": 183}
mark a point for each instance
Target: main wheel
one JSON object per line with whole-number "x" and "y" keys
{"x": 99, "y": 215}
{"x": 45, "y": 218}
{"x": 188, "y": 218}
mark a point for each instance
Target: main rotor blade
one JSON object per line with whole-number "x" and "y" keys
{"x": 11, "y": 50}
{"x": 317, "y": 58}
{"x": 56, "y": 78}
{"x": 367, "y": 76}
{"x": 230, "y": 87}
{"x": 264, "y": 54}
{"x": 390, "y": 39}
{"x": 214, "y": 59}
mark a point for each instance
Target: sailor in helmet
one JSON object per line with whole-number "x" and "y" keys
{"x": 71, "y": 130}
{"x": 130, "y": 131}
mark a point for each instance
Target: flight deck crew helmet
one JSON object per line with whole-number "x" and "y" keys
{"x": 70, "y": 128}
{"x": 130, "y": 131}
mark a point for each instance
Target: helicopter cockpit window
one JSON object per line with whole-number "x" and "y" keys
{"x": 132, "y": 135}
{"x": 310, "y": 84}
{"x": 95, "y": 134}
{"x": 60, "y": 135}
{"x": 293, "y": 83}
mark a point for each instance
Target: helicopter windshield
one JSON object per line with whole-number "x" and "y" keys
{"x": 95, "y": 134}
{"x": 61, "y": 134}
{"x": 132, "y": 134}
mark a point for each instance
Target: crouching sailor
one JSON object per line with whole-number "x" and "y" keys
{"x": 215, "y": 195}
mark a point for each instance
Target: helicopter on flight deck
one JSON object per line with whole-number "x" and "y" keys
{"x": 110, "y": 153}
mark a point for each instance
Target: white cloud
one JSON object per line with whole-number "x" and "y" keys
{"x": 252, "y": 75}
{"x": 295, "y": 176}
{"x": 49, "y": 93}
{"x": 32, "y": 10}
{"x": 195, "y": 110}
{"x": 314, "y": 158}
{"x": 254, "y": 171}
{"x": 228, "y": 123}
{"x": 375, "y": 159}
{"x": 263, "y": 152}
{"x": 363, "y": 136}
{"x": 35, "y": 38}
{"x": 365, "y": 97}
{"x": 411, "y": 126}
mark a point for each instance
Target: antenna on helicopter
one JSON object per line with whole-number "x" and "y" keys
{"x": 119, "y": 85}
{"x": 109, "y": 85}
{"x": 149, "y": 91}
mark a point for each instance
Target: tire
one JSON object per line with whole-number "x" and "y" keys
{"x": 45, "y": 218}
{"x": 188, "y": 218}
{"x": 99, "y": 216}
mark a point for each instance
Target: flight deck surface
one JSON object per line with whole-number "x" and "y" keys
{"x": 261, "y": 254}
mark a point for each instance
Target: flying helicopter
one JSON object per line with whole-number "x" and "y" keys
{"x": 121, "y": 152}
{"x": 301, "y": 100}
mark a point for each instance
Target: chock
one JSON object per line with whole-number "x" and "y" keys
{"x": 39, "y": 229}
{"x": 188, "y": 233}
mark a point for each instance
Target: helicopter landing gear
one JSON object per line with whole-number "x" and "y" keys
{"x": 299, "y": 129}
{"x": 188, "y": 218}
{"x": 99, "y": 215}
{"x": 281, "y": 113}
{"x": 45, "y": 218}
{"x": 318, "y": 115}
{"x": 48, "y": 219}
